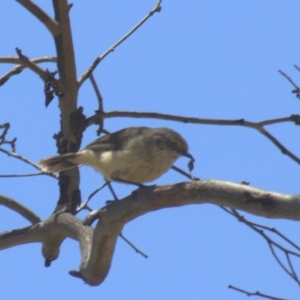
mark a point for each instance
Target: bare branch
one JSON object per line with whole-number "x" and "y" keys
{"x": 282, "y": 148}
{"x": 26, "y": 160}
{"x": 191, "y": 120}
{"x": 3, "y": 135}
{"x": 272, "y": 244}
{"x": 297, "y": 89}
{"x": 97, "y": 246}
{"x": 6, "y": 126}
{"x": 95, "y": 215}
{"x": 239, "y": 122}
{"x": 50, "y": 23}
{"x": 255, "y": 293}
{"x": 97, "y": 91}
{"x": 85, "y": 203}
{"x": 32, "y": 66}
{"x": 100, "y": 102}
{"x": 19, "y": 208}
{"x": 132, "y": 246}
{"x": 18, "y": 69}
{"x": 69, "y": 137}
{"x": 17, "y": 60}
{"x": 51, "y": 233}
{"x": 90, "y": 70}
{"x": 268, "y": 204}
{"x": 21, "y": 175}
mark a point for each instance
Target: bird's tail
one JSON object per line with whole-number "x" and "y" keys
{"x": 60, "y": 163}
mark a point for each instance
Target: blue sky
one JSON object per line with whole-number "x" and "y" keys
{"x": 208, "y": 59}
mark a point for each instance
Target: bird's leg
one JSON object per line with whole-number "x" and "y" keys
{"x": 190, "y": 176}
{"x": 112, "y": 191}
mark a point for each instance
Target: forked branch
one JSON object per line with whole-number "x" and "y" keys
{"x": 18, "y": 69}
{"x": 97, "y": 245}
{"x": 273, "y": 245}
{"x": 32, "y": 66}
{"x": 50, "y": 23}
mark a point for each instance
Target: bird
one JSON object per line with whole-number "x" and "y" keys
{"x": 132, "y": 155}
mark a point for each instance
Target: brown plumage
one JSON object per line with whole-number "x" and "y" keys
{"x": 134, "y": 154}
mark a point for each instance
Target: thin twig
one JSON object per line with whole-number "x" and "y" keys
{"x": 191, "y": 120}
{"x": 271, "y": 243}
{"x": 100, "y": 102}
{"x": 50, "y": 23}
{"x": 84, "y": 204}
{"x": 12, "y": 143}
{"x": 18, "y": 69}
{"x": 282, "y": 148}
{"x": 131, "y": 245}
{"x": 95, "y": 215}
{"x": 90, "y": 70}
{"x": 32, "y": 66}
{"x": 255, "y": 293}
{"x": 3, "y": 135}
{"x": 19, "y": 208}
{"x": 297, "y": 89}
{"x": 278, "y": 260}
{"x": 26, "y": 160}
{"x": 291, "y": 267}
{"x": 275, "y": 231}
{"x": 297, "y": 67}
{"x": 261, "y": 232}
{"x": 21, "y": 175}
{"x": 289, "y": 79}
{"x": 98, "y": 94}
{"x": 6, "y": 126}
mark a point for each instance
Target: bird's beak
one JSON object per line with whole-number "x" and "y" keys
{"x": 189, "y": 155}
{"x": 191, "y": 162}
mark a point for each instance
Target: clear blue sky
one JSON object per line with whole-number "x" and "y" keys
{"x": 209, "y": 59}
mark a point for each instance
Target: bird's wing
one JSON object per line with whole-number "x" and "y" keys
{"x": 117, "y": 140}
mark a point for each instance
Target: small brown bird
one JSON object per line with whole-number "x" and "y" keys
{"x": 131, "y": 155}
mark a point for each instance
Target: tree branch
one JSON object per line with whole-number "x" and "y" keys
{"x": 133, "y": 246}
{"x": 237, "y": 196}
{"x": 70, "y": 135}
{"x": 259, "y": 294}
{"x": 21, "y": 175}
{"x": 26, "y": 160}
{"x": 51, "y": 233}
{"x": 32, "y": 66}
{"x": 296, "y": 89}
{"x": 3, "y": 135}
{"x": 261, "y": 230}
{"x": 100, "y": 101}
{"x": 97, "y": 246}
{"x": 19, "y": 208}
{"x": 90, "y": 70}
{"x": 192, "y": 120}
{"x": 18, "y": 69}
{"x": 50, "y": 23}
